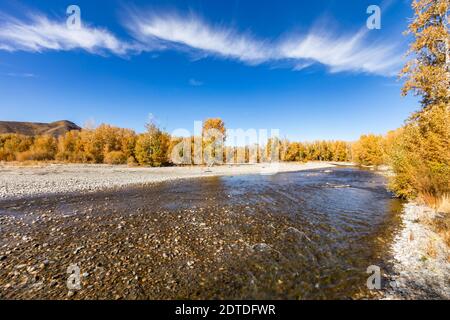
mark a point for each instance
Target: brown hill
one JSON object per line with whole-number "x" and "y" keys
{"x": 35, "y": 128}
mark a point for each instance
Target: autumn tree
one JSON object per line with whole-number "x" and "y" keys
{"x": 340, "y": 151}
{"x": 43, "y": 148}
{"x": 180, "y": 151}
{"x": 215, "y": 124}
{"x": 292, "y": 152}
{"x": 152, "y": 147}
{"x": 69, "y": 147}
{"x": 213, "y": 136}
{"x": 427, "y": 73}
{"x": 273, "y": 151}
{"x": 368, "y": 150}
{"x": 421, "y": 158}
{"x": 13, "y": 144}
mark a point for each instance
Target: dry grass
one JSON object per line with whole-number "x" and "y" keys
{"x": 443, "y": 228}
{"x": 440, "y": 204}
{"x": 431, "y": 249}
{"x": 440, "y": 223}
{"x": 444, "y": 204}
{"x": 428, "y": 199}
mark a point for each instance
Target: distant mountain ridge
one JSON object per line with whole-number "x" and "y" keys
{"x": 55, "y": 129}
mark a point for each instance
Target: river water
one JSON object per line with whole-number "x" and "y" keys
{"x": 304, "y": 235}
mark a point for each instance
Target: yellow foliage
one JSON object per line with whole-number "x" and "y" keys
{"x": 43, "y": 148}
{"x": 421, "y": 156}
{"x": 93, "y": 145}
{"x": 426, "y": 73}
{"x": 115, "y": 157}
{"x": 152, "y": 147}
{"x": 131, "y": 162}
{"x": 13, "y": 144}
{"x": 215, "y": 124}
{"x": 369, "y": 150}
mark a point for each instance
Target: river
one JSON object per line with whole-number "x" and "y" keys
{"x": 302, "y": 235}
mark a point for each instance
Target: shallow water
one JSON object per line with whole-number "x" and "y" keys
{"x": 304, "y": 235}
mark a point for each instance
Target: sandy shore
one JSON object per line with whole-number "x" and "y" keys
{"x": 18, "y": 182}
{"x": 421, "y": 260}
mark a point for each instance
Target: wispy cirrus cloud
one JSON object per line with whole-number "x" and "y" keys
{"x": 37, "y": 33}
{"x": 157, "y": 31}
{"x": 20, "y": 75}
{"x": 342, "y": 53}
{"x": 172, "y": 31}
{"x": 353, "y": 53}
{"x": 195, "y": 83}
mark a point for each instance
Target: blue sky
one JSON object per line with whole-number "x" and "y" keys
{"x": 309, "y": 68}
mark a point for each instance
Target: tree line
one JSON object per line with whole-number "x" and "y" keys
{"x": 113, "y": 145}
{"x": 155, "y": 147}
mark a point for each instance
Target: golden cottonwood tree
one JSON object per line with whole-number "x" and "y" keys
{"x": 427, "y": 73}
{"x": 421, "y": 158}
{"x": 368, "y": 150}
{"x": 43, "y": 148}
{"x": 152, "y": 147}
{"x": 213, "y": 136}
{"x": 13, "y": 144}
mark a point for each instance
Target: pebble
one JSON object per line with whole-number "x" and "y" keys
{"x": 78, "y": 249}
{"x": 26, "y": 181}
{"x": 424, "y": 275}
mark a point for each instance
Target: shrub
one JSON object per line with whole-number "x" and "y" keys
{"x": 115, "y": 157}
{"x": 13, "y": 144}
{"x": 93, "y": 145}
{"x": 43, "y": 148}
{"x": 131, "y": 162}
{"x": 69, "y": 147}
{"x": 24, "y": 156}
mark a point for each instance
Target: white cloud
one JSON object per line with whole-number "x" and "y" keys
{"x": 195, "y": 83}
{"x": 351, "y": 53}
{"x": 163, "y": 31}
{"x": 303, "y": 65}
{"x": 4, "y": 47}
{"x": 191, "y": 32}
{"x": 38, "y": 34}
{"x": 20, "y": 75}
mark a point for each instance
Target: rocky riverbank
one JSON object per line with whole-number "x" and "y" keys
{"x": 47, "y": 179}
{"x": 421, "y": 259}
